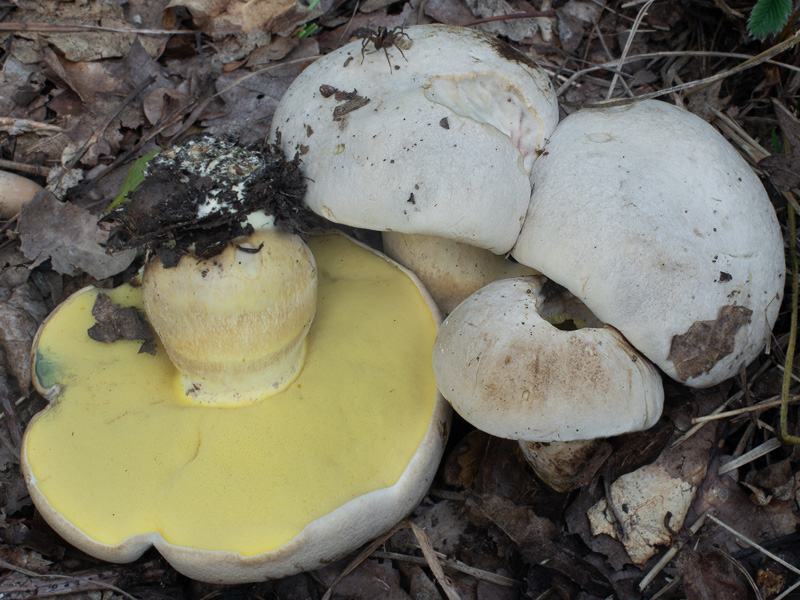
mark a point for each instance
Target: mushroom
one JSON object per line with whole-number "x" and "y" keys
{"x": 523, "y": 360}
{"x": 288, "y": 415}
{"x": 450, "y": 270}
{"x": 664, "y": 232}
{"x": 442, "y": 144}
{"x": 14, "y": 191}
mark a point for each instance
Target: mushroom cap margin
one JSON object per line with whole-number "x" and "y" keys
{"x": 512, "y": 374}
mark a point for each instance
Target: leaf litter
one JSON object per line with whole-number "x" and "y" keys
{"x": 87, "y": 88}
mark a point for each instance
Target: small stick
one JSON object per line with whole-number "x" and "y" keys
{"x": 12, "y": 165}
{"x": 748, "y": 457}
{"x": 773, "y": 402}
{"x": 750, "y": 542}
{"x": 454, "y": 565}
{"x": 433, "y": 562}
{"x": 670, "y": 554}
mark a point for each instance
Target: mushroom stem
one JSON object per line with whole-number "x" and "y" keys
{"x": 558, "y": 464}
{"x": 235, "y": 325}
{"x": 450, "y": 270}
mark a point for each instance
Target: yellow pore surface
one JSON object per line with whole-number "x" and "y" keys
{"x": 124, "y": 452}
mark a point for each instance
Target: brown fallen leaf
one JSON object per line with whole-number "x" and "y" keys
{"x": 709, "y": 577}
{"x": 115, "y": 322}
{"x": 69, "y": 236}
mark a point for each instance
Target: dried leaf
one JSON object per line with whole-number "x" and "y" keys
{"x": 653, "y": 501}
{"x": 539, "y": 541}
{"x": 115, "y": 322}
{"x": 709, "y": 576}
{"x": 69, "y": 236}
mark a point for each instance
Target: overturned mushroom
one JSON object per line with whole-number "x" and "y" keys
{"x": 508, "y": 364}
{"x": 252, "y": 454}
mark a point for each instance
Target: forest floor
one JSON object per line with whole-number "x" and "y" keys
{"x": 87, "y": 87}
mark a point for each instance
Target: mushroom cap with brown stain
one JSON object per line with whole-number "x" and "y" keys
{"x": 650, "y": 217}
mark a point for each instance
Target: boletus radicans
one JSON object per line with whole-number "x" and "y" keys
{"x": 288, "y": 411}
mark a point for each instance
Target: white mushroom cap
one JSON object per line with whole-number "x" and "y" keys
{"x": 440, "y": 144}
{"x": 509, "y": 372}
{"x": 655, "y": 222}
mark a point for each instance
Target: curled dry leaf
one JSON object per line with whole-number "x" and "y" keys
{"x": 69, "y": 236}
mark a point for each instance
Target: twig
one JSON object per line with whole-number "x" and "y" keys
{"x": 611, "y": 65}
{"x": 670, "y": 554}
{"x": 15, "y": 27}
{"x": 454, "y": 565}
{"x": 534, "y": 14}
{"x": 14, "y": 126}
{"x": 743, "y": 66}
{"x": 74, "y": 584}
{"x": 362, "y": 556}
{"x": 763, "y": 405}
{"x": 695, "y": 428}
{"x": 433, "y": 562}
{"x": 628, "y": 43}
{"x": 750, "y": 542}
{"x": 12, "y": 165}
{"x": 787, "y": 379}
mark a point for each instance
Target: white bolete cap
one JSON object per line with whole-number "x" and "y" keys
{"x": 657, "y": 224}
{"x": 506, "y": 369}
{"x": 437, "y": 140}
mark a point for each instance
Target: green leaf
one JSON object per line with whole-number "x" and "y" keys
{"x": 768, "y": 17}
{"x": 134, "y": 177}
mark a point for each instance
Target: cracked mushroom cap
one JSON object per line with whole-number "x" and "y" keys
{"x": 441, "y": 143}
{"x": 663, "y": 232}
{"x": 508, "y": 370}
{"x": 124, "y": 459}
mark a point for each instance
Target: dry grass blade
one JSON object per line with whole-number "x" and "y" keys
{"x": 773, "y": 402}
{"x": 628, "y": 42}
{"x": 455, "y": 566}
{"x": 790, "y": 348}
{"x": 670, "y": 554}
{"x": 747, "y": 64}
{"x": 753, "y": 544}
{"x": 433, "y": 562}
{"x": 748, "y": 457}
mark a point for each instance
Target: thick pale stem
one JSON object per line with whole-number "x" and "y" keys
{"x": 235, "y": 325}
{"x": 450, "y": 270}
{"x": 558, "y": 463}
